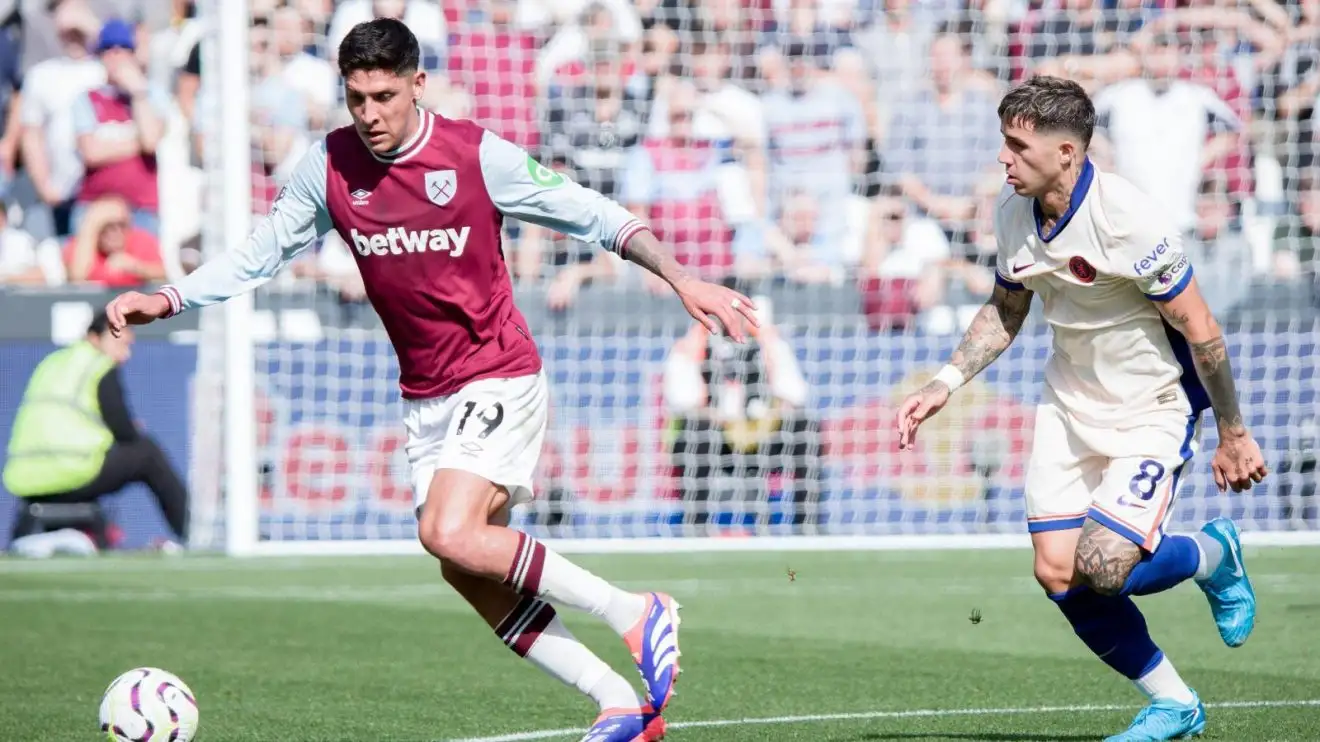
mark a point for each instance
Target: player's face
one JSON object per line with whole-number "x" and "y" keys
{"x": 1032, "y": 160}
{"x": 384, "y": 106}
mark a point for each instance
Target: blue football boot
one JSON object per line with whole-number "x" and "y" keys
{"x": 1165, "y": 720}
{"x": 1232, "y": 601}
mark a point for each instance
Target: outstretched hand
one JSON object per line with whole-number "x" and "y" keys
{"x": 135, "y": 308}
{"x": 702, "y": 300}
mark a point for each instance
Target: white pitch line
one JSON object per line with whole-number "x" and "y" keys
{"x": 914, "y": 713}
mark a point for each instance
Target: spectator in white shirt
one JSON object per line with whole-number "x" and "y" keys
{"x": 315, "y": 78}
{"x": 422, "y": 17}
{"x": 19, "y": 261}
{"x": 49, "y": 145}
{"x": 1162, "y": 132}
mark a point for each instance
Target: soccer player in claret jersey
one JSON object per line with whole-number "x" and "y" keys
{"x": 1137, "y": 357}
{"x": 420, "y": 199}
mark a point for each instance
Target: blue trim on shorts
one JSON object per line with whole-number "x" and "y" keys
{"x": 1113, "y": 525}
{"x": 1042, "y": 526}
{"x": 1010, "y": 285}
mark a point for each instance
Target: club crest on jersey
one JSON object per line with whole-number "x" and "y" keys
{"x": 1084, "y": 271}
{"x": 441, "y": 186}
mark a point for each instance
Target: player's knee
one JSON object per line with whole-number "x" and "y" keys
{"x": 1054, "y": 575}
{"x": 446, "y": 536}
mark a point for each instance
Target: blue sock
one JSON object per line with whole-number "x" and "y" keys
{"x": 1113, "y": 628}
{"x": 1175, "y": 560}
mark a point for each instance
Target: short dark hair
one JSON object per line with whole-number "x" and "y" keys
{"x": 100, "y": 323}
{"x": 380, "y": 44}
{"x": 1050, "y": 104}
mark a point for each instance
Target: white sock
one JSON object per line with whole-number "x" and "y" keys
{"x": 1164, "y": 684}
{"x": 533, "y": 631}
{"x": 538, "y": 571}
{"x": 1212, "y": 553}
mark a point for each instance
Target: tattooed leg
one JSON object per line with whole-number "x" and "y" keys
{"x": 1104, "y": 558}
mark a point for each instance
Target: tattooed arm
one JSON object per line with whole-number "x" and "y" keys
{"x": 991, "y": 332}
{"x": 645, "y": 250}
{"x": 1189, "y": 315}
{"x": 1238, "y": 461}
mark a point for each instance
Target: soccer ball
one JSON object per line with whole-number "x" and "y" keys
{"x": 147, "y": 704}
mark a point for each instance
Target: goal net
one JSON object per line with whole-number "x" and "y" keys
{"x": 818, "y": 170}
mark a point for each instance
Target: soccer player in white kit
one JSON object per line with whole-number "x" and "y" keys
{"x": 1137, "y": 357}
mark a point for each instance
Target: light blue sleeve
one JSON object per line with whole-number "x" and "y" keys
{"x": 297, "y": 218}
{"x": 84, "y": 117}
{"x": 521, "y": 187}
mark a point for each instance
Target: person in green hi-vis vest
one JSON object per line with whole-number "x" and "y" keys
{"x": 74, "y": 439}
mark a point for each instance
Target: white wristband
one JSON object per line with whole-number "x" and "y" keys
{"x": 950, "y": 377}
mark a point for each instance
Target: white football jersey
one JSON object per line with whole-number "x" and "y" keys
{"x": 1112, "y": 253}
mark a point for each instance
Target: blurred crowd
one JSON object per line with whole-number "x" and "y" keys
{"x": 791, "y": 141}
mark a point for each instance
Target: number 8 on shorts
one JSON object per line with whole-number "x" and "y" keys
{"x": 1136, "y": 497}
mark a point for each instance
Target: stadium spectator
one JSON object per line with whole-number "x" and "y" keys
{"x": 815, "y": 143}
{"x": 736, "y": 414}
{"x": 797, "y": 247}
{"x": 598, "y": 26}
{"x": 74, "y": 439}
{"x": 167, "y": 49}
{"x": 11, "y": 81}
{"x": 1163, "y": 133}
{"x": 118, "y": 127}
{"x": 20, "y": 256}
{"x": 725, "y": 108}
{"x": 49, "y": 145}
{"x": 1218, "y": 247}
{"x": 944, "y": 142}
{"x": 281, "y": 126}
{"x": 494, "y": 62}
{"x": 1082, "y": 41}
{"x": 735, "y": 25}
{"x": 315, "y": 78}
{"x": 109, "y": 251}
{"x": 688, "y": 187}
{"x": 897, "y": 48}
{"x": 1297, "y": 236}
{"x": 423, "y": 18}
{"x": 903, "y": 266}
{"x": 596, "y": 114}
{"x": 1288, "y": 94}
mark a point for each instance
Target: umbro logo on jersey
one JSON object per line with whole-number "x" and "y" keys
{"x": 360, "y": 196}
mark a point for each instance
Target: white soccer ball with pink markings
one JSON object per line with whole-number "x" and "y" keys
{"x": 147, "y": 704}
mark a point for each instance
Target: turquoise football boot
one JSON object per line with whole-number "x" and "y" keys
{"x": 1165, "y": 720}
{"x": 1232, "y": 600}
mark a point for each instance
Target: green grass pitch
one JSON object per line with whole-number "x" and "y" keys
{"x": 858, "y": 646}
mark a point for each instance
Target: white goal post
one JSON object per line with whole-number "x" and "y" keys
{"x": 308, "y": 428}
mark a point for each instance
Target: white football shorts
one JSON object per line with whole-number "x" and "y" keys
{"x": 1124, "y": 478}
{"x": 492, "y": 428}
